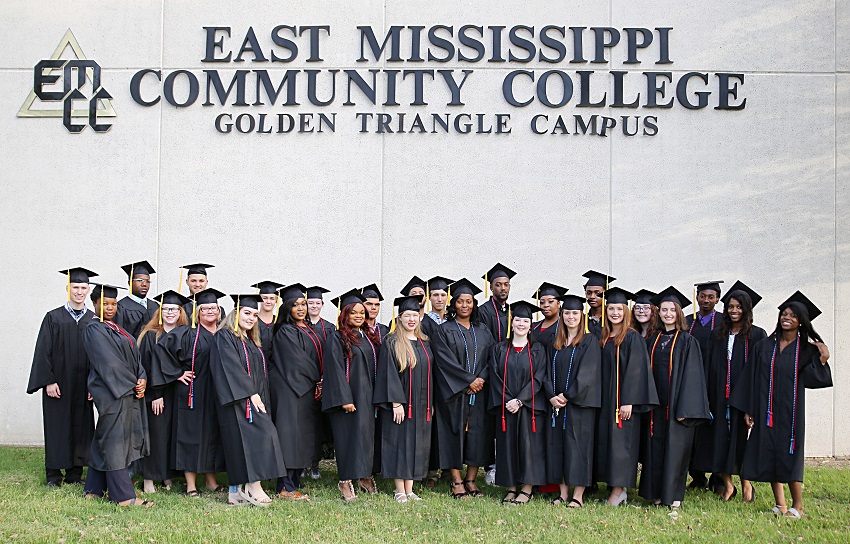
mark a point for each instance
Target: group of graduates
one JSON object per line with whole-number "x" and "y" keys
{"x": 602, "y": 384}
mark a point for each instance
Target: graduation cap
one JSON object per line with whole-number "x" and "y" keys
{"x": 498, "y": 271}
{"x": 316, "y": 292}
{"x": 741, "y": 286}
{"x": 77, "y": 275}
{"x": 371, "y": 291}
{"x": 415, "y": 281}
{"x": 407, "y": 304}
{"x": 267, "y": 287}
{"x": 597, "y": 279}
{"x": 617, "y": 295}
{"x": 439, "y": 283}
{"x": 172, "y": 297}
{"x": 671, "y": 294}
{"x": 712, "y": 285}
{"x": 644, "y": 296}
{"x": 351, "y": 297}
{"x": 547, "y": 289}
{"x": 800, "y": 298}
{"x": 197, "y": 268}
{"x": 140, "y": 267}
{"x": 207, "y": 296}
{"x": 252, "y": 301}
{"x": 523, "y": 309}
{"x": 464, "y": 287}
{"x": 109, "y": 291}
{"x": 294, "y": 291}
{"x": 571, "y": 302}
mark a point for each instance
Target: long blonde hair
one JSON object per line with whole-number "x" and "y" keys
{"x": 405, "y": 353}
{"x": 607, "y": 328}
{"x": 155, "y": 325}
{"x": 229, "y": 322}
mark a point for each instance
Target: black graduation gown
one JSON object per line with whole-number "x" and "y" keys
{"x": 495, "y": 319}
{"x": 351, "y": 382}
{"x": 251, "y": 447}
{"x": 323, "y": 328}
{"x": 121, "y": 435}
{"x": 465, "y": 427}
{"x": 196, "y": 438}
{"x": 520, "y": 437}
{"x": 681, "y": 394}
{"x": 293, "y": 376}
{"x": 570, "y": 436}
{"x": 266, "y": 338}
{"x": 405, "y": 447}
{"x": 703, "y": 333}
{"x": 595, "y": 326}
{"x": 382, "y": 331}
{"x": 719, "y": 446}
{"x": 155, "y": 466}
{"x": 132, "y": 316}
{"x": 768, "y": 456}
{"x": 60, "y": 358}
{"x": 618, "y": 446}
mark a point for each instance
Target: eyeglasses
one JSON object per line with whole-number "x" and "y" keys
{"x": 208, "y": 310}
{"x": 171, "y": 310}
{"x": 643, "y": 308}
{"x": 142, "y": 281}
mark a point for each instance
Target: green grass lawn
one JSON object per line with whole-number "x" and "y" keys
{"x": 29, "y": 512}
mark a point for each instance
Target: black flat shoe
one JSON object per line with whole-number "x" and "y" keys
{"x": 732, "y": 496}
{"x": 753, "y": 497}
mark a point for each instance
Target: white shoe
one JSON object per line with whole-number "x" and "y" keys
{"x": 490, "y": 477}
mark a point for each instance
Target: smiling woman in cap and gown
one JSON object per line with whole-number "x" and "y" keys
{"x": 240, "y": 374}
{"x": 268, "y": 314}
{"x": 675, "y": 359}
{"x": 462, "y": 353}
{"x": 184, "y": 360}
{"x": 404, "y": 394}
{"x": 517, "y": 400}
{"x": 546, "y": 330}
{"x": 574, "y": 388}
{"x": 719, "y": 446}
{"x": 351, "y": 367}
{"x": 295, "y": 375}
{"x": 772, "y": 393}
{"x": 627, "y": 391}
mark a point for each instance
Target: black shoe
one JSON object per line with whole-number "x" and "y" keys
{"x": 54, "y": 483}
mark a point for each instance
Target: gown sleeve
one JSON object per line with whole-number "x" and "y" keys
{"x": 388, "y": 388}
{"x": 108, "y": 362}
{"x": 336, "y": 390}
{"x": 815, "y": 375}
{"x": 497, "y": 355}
{"x": 637, "y": 384}
{"x": 171, "y": 350}
{"x": 41, "y": 374}
{"x": 586, "y": 384}
{"x": 692, "y": 396}
{"x": 229, "y": 372}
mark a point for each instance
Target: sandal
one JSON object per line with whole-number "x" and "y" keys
{"x": 559, "y": 501}
{"x": 462, "y": 494}
{"x": 731, "y": 496}
{"x": 793, "y": 513}
{"x": 368, "y": 485}
{"x": 235, "y": 499}
{"x": 430, "y": 482}
{"x": 217, "y": 489}
{"x": 528, "y": 496}
{"x": 148, "y": 504}
{"x": 752, "y": 497}
{"x": 508, "y": 499}
{"x": 254, "y": 500}
{"x": 473, "y": 492}
{"x": 400, "y": 498}
{"x": 777, "y": 510}
{"x": 413, "y": 497}
{"x": 576, "y": 502}
{"x": 346, "y": 486}
{"x": 194, "y": 493}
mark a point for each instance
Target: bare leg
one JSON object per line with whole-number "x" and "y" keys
{"x": 779, "y": 496}
{"x": 190, "y": 481}
{"x": 522, "y": 499}
{"x": 615, "y": 494}
{"x": 564, "y": 491}
{"x": 148, "y": 486}
{"x": 408, "y": 486}
{"x": 400, "y": 486}
{"x": 747, "y": 489}
{"x": 212, "y": 482}
{"x": 729, "y": 486}
{"x": 578, "y": 493}
{"x": 796, "y": 489}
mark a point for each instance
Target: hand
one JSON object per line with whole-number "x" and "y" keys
{"x": 187, "y": 377}
{"x": 557, "y": 401}
{"x": 88, "y": 396}
{"x": 349, "y": 408}
{"x": 141, "y": 385}
{"x": 476, "y": 385}
{"x": 680, "y": 419}
{"x": 157, "y": 406}
{"x": 398, "y": 413}
{"x": 749, "y": 420}
{"x": 626, "y": 412}
{"x": 52, "y": 391}
{"x": 258, "y": 403}
{"x": 824, "y": 352}
{"x": 513, "y": 406}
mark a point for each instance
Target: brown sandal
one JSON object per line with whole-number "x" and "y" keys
{"x": 368, "y": 485}
{"x": 345, "y": 485}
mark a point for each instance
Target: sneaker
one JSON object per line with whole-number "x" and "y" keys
{"x": 490, "y": 477}
{"x": 315, "y": 474}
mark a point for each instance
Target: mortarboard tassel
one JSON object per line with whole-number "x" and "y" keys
{"x": 392, "y": 325}
{"x": 427, "y": 297}
{"x": 161, "y": 298}
{"x": 276, "y": 307}
{"x": 101, "y": 304}
{"x": 132, "y": 268}
{"x": 69, "y": 285}
{"x": 508, "y": 335}
{"x": 537, "y": 297}
{"x": 586, "y": 324}
{"x": 449, "y": 296}
{"x": 486, "y": 285}
{"x": 194, "y": 311}
{"x": 179, "y": 283}
{"x": 236, "y": 321}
